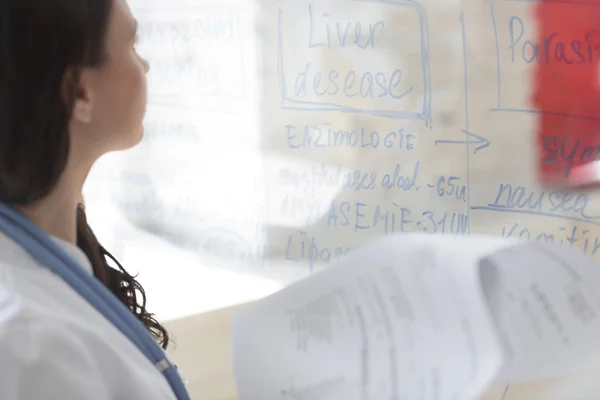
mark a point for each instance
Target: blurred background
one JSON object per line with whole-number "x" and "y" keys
{"x": 281, "y": 134}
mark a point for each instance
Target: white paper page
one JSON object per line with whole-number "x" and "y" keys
{"x": 401, "y": 318}
{"x": 546, "y": 303}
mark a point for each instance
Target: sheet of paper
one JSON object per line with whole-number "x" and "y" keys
{"x": 402, "y": 318}
{"x": 546, "y": 303}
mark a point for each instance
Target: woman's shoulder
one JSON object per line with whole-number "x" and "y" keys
{"x": 11, "y": 303}
{"x": 31, "y": 294}
{"x": 30, "y": 290}
{"x": 37, "y": 344}
{"x": 49, "y": 334}
{"x": 36, "y": 291}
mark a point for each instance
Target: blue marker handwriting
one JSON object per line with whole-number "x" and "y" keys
{"x": 323, "y": 32}
{"x": 450, "y": 187}
{"x": 188, "y": 72}
{"x": 302, "y": 248}
{"x": 327, "y": 137}
{"x": 568, "y": 151}
{"x": 393, "y": 218}
{"x": 554, "y": 48}
{"x": 167, "y": 130}
{"x": 213, "y": 26}
{"x": 403, "y": 178}
{"x": 366, "y": 84}
{"x": 555, "y": 202}
{"x": 322, "y": 176}
{"x": 308, "y": 207}
{"x": 573, "y": 237}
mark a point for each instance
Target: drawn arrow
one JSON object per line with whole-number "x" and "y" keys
{"x": 480, "y": 140}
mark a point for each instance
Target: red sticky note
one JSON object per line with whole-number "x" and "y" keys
{"x": 566, "y": 92}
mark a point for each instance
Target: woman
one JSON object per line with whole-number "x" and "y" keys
{"x": 72, "y": 88}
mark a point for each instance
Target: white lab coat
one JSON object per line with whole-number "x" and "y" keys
{"x": 55, "y": 346}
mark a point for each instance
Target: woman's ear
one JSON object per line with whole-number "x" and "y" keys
{"x": 77, "y": 87}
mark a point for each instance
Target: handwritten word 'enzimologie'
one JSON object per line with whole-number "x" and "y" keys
{"x": 326, "y": 136}
{"x": 553, "y": 48}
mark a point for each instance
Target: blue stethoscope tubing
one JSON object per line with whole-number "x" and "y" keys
{"x": 39, "y": 245}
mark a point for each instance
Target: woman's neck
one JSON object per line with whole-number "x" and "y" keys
{"x": 56, "y": 214}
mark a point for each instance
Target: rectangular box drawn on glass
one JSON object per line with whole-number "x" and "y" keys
{"x": 388, "y": 85}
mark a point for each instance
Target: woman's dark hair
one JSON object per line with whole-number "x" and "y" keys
{"x": 43, "y": 47}
{"x": 123, "y": 285}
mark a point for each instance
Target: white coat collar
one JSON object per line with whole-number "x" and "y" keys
{"x": 74, "y": 252}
